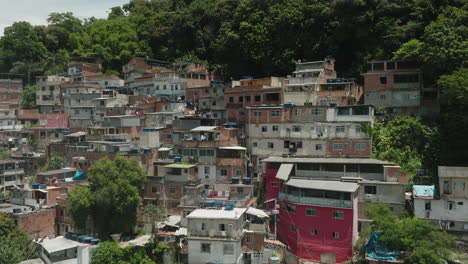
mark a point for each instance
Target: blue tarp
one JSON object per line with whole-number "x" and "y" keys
{"x": 375, "y": 251}
{"x": 80, "y": 175}
{"x": 423, "y": 190}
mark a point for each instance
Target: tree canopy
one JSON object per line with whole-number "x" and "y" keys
{"x": 114, "y": 193}
{"x": 15, "y": 244}
{"x": 419, "y": 240}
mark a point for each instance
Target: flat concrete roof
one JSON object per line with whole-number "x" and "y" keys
{"x": 52, "y": 172}
{"x": 235, "y": 213}
{"x": 323, "y": 185}
{"x": 327, "y": 160}
{"x": 58, "y": 244}
{"x": 453, "y": 172}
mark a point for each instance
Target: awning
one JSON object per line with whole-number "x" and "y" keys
{"x": 179, "y": 166}
{"x": 204, "y": 129}
{"x": 164, "y": 149}
{"x": 233, "y": 148}
{"x": 284, "y": 171}
{"x": 181, "y": 232}
{"x": 76, "y": 134}
{"x": 257, "y": 212}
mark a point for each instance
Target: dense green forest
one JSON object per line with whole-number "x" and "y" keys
{"x": 264, "y": 37}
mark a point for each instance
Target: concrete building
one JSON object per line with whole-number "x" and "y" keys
{"x": 318, "y": 219}
{"x": 398, "y": 86}
{"x": 11, "y": 90}
{"x": 209, "y": 101}
{"x": 8, "y": 118}
{"x": 447, "y": 207}
{"x": 380, "y": 181}
{"x": 62, "y": 250}
{"x": 48, "y": 93}
{"x": 11, "y": 173}
{"x": 79, "y": 102}
{"x": 222, "y": 236}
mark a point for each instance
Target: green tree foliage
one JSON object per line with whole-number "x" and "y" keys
{"x": 420, "y": 241}
{"x": 15, "y": 244}
{"x": 406, "y": 141}
{"x": 110, "y": 253}
{"x": 81, "y": 205}
{"x": 114, "y": 193}
{"x": 55, "y": 162}
{"x": 454, "y": 117}
{"x": 29, "y": 97}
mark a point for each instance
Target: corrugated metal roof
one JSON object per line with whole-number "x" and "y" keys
{"x": 326, "y": 160}
{"x": 233, "y": 148}
{"x": 423, "y": 190}
{"x": 453, "y": 172}
{"x": 323, "y": 185}
{"x": 284, "y": 171}
{"x": 257, "y": 212}
{"x": 179, "y": 166}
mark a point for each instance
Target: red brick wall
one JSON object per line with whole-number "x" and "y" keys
{"x": 372, "y": 81}
{"x": 38, "y": 224}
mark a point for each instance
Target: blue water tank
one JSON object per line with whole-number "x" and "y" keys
{"x": 87, "y": 240}
{"x": 35, "y": 185}
{"x": 68, "y": 235}
{"x": 235, "y": 180}
{"x": 74, "y": 236}
{"x": 94, "y": 241}
{"x": 229, "y": 206}
{"x": 332, "y": 104}
{"x": 246, "y": 180}
{"x": 209, "y": 203}
{"x": 147, "y": 151}
{"x": 219, "y": 204}
{"x": 177, "y": 159}
{"x": 16, "y": 210}
{"x": 43, "y": 186}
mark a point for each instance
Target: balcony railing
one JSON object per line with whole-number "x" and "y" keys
{"x": 315, "y": 201}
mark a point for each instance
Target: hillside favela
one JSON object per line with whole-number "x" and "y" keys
{"x": 234, "y": 132}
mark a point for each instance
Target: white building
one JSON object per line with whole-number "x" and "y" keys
{"x": 450, "y": 210}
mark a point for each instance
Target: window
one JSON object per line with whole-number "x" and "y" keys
{"x": 311, "y": 211}
{"x": 275, "y": 113}
{"x": 338, "y": 214}
{"x": 248, "y": 239}
{"x": 271, "y": 145}
{"x": 171, "y": 190}
{"x": 338, "y": 146}
{"x": 383, "y": 80}
{"x": 239, "y": 173}
{"x": 335, "y": 234}
{"x": 359, "y": 129}
{"x": 370, "y": 189}
{"x": 274, "y": 128}
{"x": 360, "y": 146}
{"x": 405, "y": 97}
{"x": 451, "y": 205}
{"x": 318, "y": 147}
{"x": 207, "y": 169}
{"x": 339, "y": 129}
{"x": 241, "y": 113}
{"x": 223, "y": 172}
{"x": 297, "y": 112}
{"x": 275, "y": 184}
{"x": 164, "y": 87}
{"x": 174, "y": 204}
{"x": 382, "y": 97}
{"x": 257, "y": 114}
{"x": 154, "y": 189}
{"x": 427, "y": 205}
{"x": 77, "y": 112}
{"x": 205, "y": 248}
{"x": 247, "y": 98}
{"x": 313, "y": 232}
{"x": 258, "y": 98}
{"x": 241, "y": 99}
{"x": 228, "y": 249}
{"x": 264, "y": 129}
{"x": 289, "y": 208}
{"x": 293, "y": 228}
{"x": 222, "y": 227}
{"x": 202, "y": 227}
{"x": 459, "y": 186}
{"x": 296, "y": 129}
{"x": 157, "y": 87}
{"x": 231, "y": 99}
{"x": 254, "y": 144}
{"x": 317, "y": 111}
{"x": 447, "y": 187}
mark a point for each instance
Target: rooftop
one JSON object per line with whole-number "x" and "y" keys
{"x": 235, "y": 213}
{"x": 179, "y": 166}
{"x": 58, "y": 244}
{"x": 52, "y": 172}
{"x": 323, "y": 185}
{"x": 204, "y": 129}
{"x": 327, "y": 160}
{"x": 453, "y": 172}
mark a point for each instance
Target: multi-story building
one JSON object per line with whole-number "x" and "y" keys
{"x": 210, "y": 101}
{"x": 79, "y": 102}
{"x": 398, "y": 86}
{"x": 308, "y": 131}
{"x": 141, "y": 67}
{"x": 82, "y": 67}
{"x": 318, "y": 219}
{"x": 222, "y": 235}
{"x": 11, "y": 90}
{"x": 11, "y": 173}
{"x": 48, "y": 93}
{"x": 8, "y": 118}
{"x": 447, "y": 207}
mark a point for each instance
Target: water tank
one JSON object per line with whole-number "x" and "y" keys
{"x": 246, "y": 180}
{"x": 81, "y": 238}
{"x": 68, "y": 235}
{"x": 219, "y": 204}
{"x": 333, "y": 104}
{"x": 274, "y": 260}
{"x": 35, "y": 185}
{"x": 235, "y": 180}
{"x": 147, "y": 151}
{"x": 229, "y": 206}
{"x": 177, "y": 159}
{"x": 43, "y": 186}
{"x": 16, "y": 210}
{"x": 94, "y": 241}
{"x": 74, "y": 236}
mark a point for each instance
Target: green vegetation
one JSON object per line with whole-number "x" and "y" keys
{"x": 114, "y": 193}
{"x": 55, "y": 162}
{"x": 29, "y": 97}
{"x": 416, "y": 239}
{"x": 15, "y": 244}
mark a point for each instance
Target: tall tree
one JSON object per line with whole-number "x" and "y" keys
{"x": 15, "y": 244}
{"x": 29, "y": 97}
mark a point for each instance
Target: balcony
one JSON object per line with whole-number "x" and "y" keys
{"x": 300, "y": 81}
{"x": 315, "y": 201}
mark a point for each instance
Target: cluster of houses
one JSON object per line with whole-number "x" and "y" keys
{"x": 214, "y": 151}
